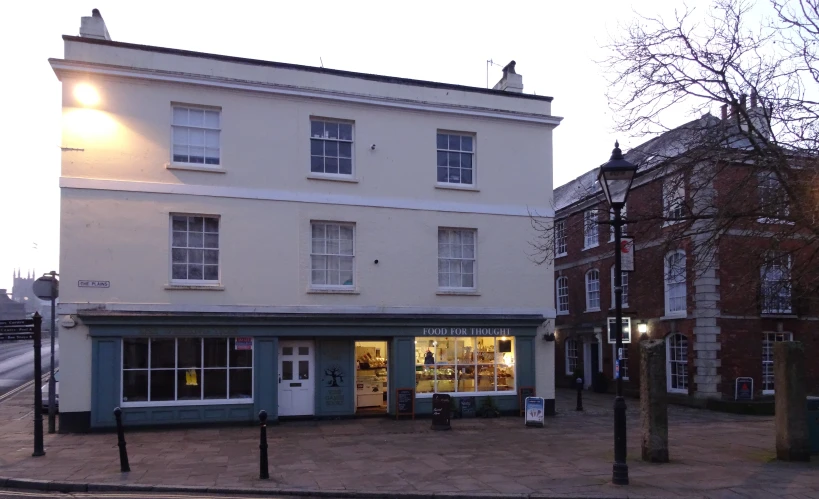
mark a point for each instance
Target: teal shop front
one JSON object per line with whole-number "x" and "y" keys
{"x": 192, "y": 369}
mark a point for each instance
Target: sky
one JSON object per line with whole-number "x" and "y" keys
{"x": 555, "y": 44}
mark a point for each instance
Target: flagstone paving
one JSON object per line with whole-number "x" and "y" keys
{"x": 713, "y": 455}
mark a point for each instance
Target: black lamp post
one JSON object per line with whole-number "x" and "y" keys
{"x": 615, "y": 179}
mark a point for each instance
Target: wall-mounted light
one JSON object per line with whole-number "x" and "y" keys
{"x": 86, "y": 95}
{"x": 642, "y": 328}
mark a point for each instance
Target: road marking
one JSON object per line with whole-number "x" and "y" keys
{"x": 11, "y": 393}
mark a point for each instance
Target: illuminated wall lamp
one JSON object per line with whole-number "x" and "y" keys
{"x": 86, "y": 95}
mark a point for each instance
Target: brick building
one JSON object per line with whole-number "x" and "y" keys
{"x": 720, "y": 296}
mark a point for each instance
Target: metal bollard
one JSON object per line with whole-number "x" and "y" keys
{"x": 579, "y": 383}
{"x": 38, "y": 389}
{"x": 123, "y": 452}
{"x": 264, "y": 473}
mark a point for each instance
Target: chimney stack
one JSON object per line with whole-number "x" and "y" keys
{"x": 742, "y": 100}
{"x": 724, "y": 112}
{"x": 94, "y": 26}
{"x": 511, "y": 81}
{"x": 754, "y": 99}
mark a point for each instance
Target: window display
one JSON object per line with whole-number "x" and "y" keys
{"x": 186, "y": 369}
{"x": 464, "y": 364}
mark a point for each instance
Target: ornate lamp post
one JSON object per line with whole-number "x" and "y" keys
{"x": 615, "y": 179}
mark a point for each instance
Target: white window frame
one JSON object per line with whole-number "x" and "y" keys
{"x": 771, "y": 191}
{"x": 623, "y": 231}
{"x": 624, "y": 285}
{"x": 176, "y": 369}
{"x": 591, "y": 230}
{"x": 680, "y": 282}
{"x": 187, "y": 247}
{"x": 562, "y": 294}
{"x": 676, "y": 350}
{"x": 560, "y": 238}
{"x": 626, "y": 322}
{"x": 324, "y": 138}
{"x": 459, "y": 151}
{"x": 572, "y": 345}
{"x": 775, "y": 284}
{"x": 673, "y": 199}
{"x": 623, "y": 365}
{"x": 590, "y": 291}
{"x": 769, "y": 338}
{"x": 204, "y": 128}
{"x": 474, "y": 364}
{"x": 462, "y": 260}
{"x": 327, "y": 255}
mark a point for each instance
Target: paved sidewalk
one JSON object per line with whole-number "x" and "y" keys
{"x": 713, "y": 455}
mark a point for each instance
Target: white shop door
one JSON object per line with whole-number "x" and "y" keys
{"x": 296, "y": 383}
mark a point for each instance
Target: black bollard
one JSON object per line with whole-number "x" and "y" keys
{"x": 264, "y": 473}
{"x": 38, "y": 389}
{"x": 123, "y": 452}
{"x": 579, "y": 383}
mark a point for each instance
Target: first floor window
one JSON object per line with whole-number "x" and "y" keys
{"x": 194, "y": 249}
{"x": 455, "y": 158}
{"x": 456, "y": 258}
{"x": 464, "y": 364}
{"x": 331, "y": 255}
{"x": 187, "y": 369}
{"x": 563, "y": 295}
{"x": 623, "y": 363}
{"x": 195, "y": 134}
{"x": 768, "y": 341}
{"x": 572, "y": 356}
{"x": 675, "y": 292}
{"x": 560, "y": 238}
{"x": 775, "y": 277}
{"x": 677, "y": 363}
{"x": 623, "y": 285}
{"x": 590, "y": 229}
{"x": 331, "y": 147}
{"x": 592, "y": 290}
{"x": 673, "y": 198}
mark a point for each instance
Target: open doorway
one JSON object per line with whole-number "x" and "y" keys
{"x": 371, "y": 388}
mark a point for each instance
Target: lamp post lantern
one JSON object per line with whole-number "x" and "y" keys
{"x": 615, "y": 179}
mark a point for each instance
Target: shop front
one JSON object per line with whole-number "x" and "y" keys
{"x": 195, "y": 369}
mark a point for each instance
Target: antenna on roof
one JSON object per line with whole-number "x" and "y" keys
{"x": 488, "y": 62}
{"x": 322, "y": 61}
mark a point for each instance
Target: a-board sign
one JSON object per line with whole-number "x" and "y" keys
{"x": 523, "y": 392}
{"x": 535, "y": 410}
{"x": 744, "y": 389}
{"x": 441, "y": 411}
{"x": 467, "y": 407}
{"x": 404, "y": 402}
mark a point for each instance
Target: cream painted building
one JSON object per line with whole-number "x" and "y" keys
{"x": 239, "y": 235}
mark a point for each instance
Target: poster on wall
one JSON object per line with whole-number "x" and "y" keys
{"x": 627, "y": 254}
{"x": 244, "y": 343}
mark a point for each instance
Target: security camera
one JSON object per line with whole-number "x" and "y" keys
{"x": 372, "y": 147}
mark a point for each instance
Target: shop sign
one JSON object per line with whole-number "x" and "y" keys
{"x": 94, "y": 284}
{"x": 467, "y": 331}
{"x": 441, "y": 411}
{"x": 467, "y": 407}
{"x": 245, "y": 343}
{"x": 405, "y": 402}
{"x": 744, "y": 389}
{"x": 535, "y": 411}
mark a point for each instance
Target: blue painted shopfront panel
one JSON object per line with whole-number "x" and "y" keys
{"x": 335, "y": 377}
{"x": 106, "y": 360}
{"x": 265, "y": 376}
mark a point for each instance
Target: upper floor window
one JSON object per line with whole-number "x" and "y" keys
{"x": 775, "y": 277}
{"x": 675, "y": 290}
{"x": 624, "y": 286}
{"x": 592, "y": 290}
{"x": 676, "y": 346}
{"x": 194, "y": 249}
{"x": 332, "y": 250}
{"x": 560, "y": 238}
{"x": 773, "y": 202}
{"x": 611, "y": 218}
{"x": 590, "y": 229}
{"x": 456, "y": 258}
{"x": 331, "y": 147}
{"x": 673, "y": 198}
{"x": 456, "y": 158}
{"x": 562, "y": 284}
{"x": 195, "y": 134}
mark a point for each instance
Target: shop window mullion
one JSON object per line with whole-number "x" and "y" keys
{"x": 202, "y": 367}
{"x": 227, "y": 363}
{"x": 175, "y": 369}
{"x": 150, "y": 341}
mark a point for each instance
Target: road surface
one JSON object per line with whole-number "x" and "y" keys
{"x": 17, "y": 362}
{"x": 21, "y": 494}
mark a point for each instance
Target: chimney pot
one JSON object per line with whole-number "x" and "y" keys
{"x": 754, "y": 99}
{"x": 93, "y": 26}
{"x": 742, "y": 99}
{"x": 511, "y": 81}
{"x": 724, "y": 112}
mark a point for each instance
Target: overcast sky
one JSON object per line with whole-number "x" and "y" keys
{"x": 554, "y": 43}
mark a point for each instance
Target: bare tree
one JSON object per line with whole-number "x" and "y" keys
{"x": 750, "y": 174}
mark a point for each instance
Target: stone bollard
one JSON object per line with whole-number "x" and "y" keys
{"x": 579, "y": 385}
{"x": 653, "y": 404}
{"x": 792, "y": 437}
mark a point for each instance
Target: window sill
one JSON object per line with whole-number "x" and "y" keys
{"x": 182, "y": 403}
{"x": 775, "y": 315}
{"x": 676, "y": 391}
{"x": 466, "y": 394}
{"x": 589, "y": 310}
{"x": 779, "y": 221}
{"x": 194, "y": 287}
{"x": 624, "y": 305}
{"x": 563, "y": 313}
{"x": 669, "y": 223}
{"x": 457, "y": 187}
{"x": 333, "y": 178}
{"x": 674, "y": 317}
{"x": 458, "y": 292}
{"x": 195, "y": 168}
{"x": 590, "y": 247}
{"x": 768, "y": 392}
{"x": 561, "y": 255}
{"x": 331, "y": 291}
